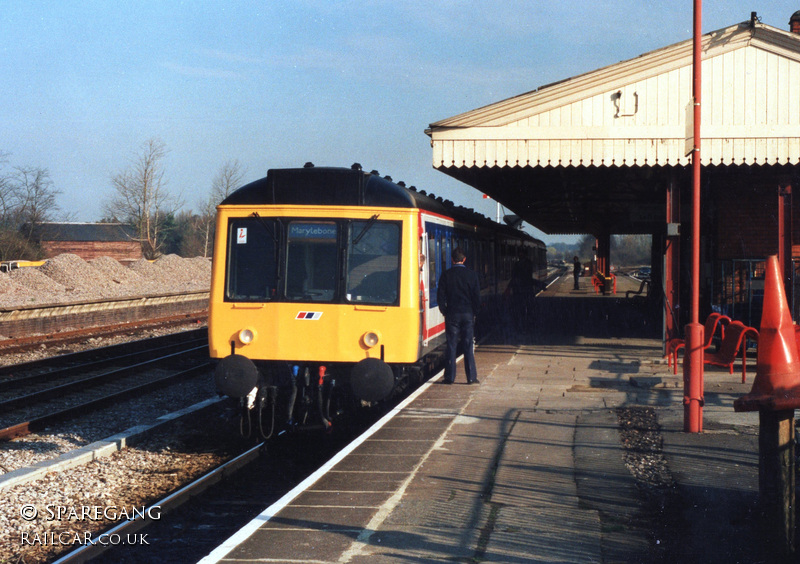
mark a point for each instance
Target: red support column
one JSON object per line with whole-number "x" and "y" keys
{"x": 672, "y": 264}
{"x": 693, "y": 357}
{"x": 603, "y": 246}
{"x": 785, "y": 238}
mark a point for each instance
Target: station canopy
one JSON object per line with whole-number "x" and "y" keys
{"x": 593, "y": 153}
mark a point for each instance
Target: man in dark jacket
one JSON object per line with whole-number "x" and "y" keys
{"x": 459, "y": 300}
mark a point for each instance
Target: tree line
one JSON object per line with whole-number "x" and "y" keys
{"x": 139, "y": 197}
{"x": 626, "y": 250}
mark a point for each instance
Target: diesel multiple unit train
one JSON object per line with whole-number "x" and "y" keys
{"x": 323, "y": 292}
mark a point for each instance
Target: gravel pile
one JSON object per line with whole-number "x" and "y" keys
{"x": 114, "y": 271}
{"x": 69, "y": 278}
{"x": 32, "y": 282}
{"x": 76, "y": 275}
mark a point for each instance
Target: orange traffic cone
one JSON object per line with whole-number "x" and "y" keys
{"x": 777, "y": 382}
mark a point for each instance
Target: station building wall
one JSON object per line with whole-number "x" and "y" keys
{"x": 88, "y": 250}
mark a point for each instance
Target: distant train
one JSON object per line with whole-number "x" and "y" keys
{"x": 323, "y": 290}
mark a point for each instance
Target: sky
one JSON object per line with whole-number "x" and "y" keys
{"x": 277, "y": 84}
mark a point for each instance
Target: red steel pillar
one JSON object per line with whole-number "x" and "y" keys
{"x": 693, "y": 358}
{"x": 603, "y": 249}
{"x": 785, "y": 239}
{"x": 672, "y": 263}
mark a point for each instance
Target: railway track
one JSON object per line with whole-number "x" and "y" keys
{"x": 66, "y": 338}
{"x": 195, "y": 519}
{"x": 282, "y": 470}
{"x": 191, "y": 521}
{"x": 191, "y": 516}
{"x": 40, "y": 393}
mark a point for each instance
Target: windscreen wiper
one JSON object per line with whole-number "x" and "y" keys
{"x": 266, "y": 226}
{"x": 370, "y": 223}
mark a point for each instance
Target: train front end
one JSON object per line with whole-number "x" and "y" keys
{"x": 314, "y": 298}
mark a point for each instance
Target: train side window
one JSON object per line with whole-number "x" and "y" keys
{"x": 311, "y": 261}
{"x": 252, "y": 259}
{"x": 373, "y": 262}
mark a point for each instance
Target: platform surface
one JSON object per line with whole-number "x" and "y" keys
{"x": 528, "y": 466}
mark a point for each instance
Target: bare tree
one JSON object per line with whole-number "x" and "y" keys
{"x": 228, "y": 178}
{"x": 141, "y": 197}
{"x": 8, "y": 198}
{"x": 206, "y": 224}
{"x": 35, "y": 197}
{"x": 12, "y": 244}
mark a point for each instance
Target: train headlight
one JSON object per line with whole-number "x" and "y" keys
{"x": 370, "y": 339}
{"x": 247, "y": 336}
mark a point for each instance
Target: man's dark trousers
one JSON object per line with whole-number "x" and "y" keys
{"x": 460, "y": 329}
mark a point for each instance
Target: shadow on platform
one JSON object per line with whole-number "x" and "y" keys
{"x": 560, "y": 318}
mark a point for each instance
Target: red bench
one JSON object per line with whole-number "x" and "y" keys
{"x": 600, "y": 281}
{"x": 736, "y": 335}
{"x": 709, "y": 328}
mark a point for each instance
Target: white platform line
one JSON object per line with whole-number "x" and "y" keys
{"x": 245, "y": 532}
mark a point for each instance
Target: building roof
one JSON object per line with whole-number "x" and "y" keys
{"x": 102, "y": 232}
{"x": 594, "y": 153}
{"x": 638, "y": 112}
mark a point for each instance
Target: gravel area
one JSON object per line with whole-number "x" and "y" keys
{"x": 641, "y": 438}
{"x": 72, "y": 434}
{"x": 124, "y": 482}
{"x": 49, "y": 349}
{"x": 69, "y": 278}
{"x": 129, "y": 479}
{"x": 57, "y": 513}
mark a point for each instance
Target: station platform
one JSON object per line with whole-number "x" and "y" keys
{"x": 626, "y": 287}
{"x": 529, "y": 466}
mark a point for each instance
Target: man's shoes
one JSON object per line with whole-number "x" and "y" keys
{"x": 475, "y": 381}
{"x": 447, "y": 381}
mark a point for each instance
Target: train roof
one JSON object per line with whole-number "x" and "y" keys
{"x": 332, "y": 186}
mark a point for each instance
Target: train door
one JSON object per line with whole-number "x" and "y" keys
{"x": 436, "y": 242}
{"x": 424, "y": 267}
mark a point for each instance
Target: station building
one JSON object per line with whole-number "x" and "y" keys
{"x": 608, "y": 152}
{"x": 88, "y": 240}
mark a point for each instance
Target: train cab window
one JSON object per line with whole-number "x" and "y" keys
{"x": 252, "y": 263}
{"x": 373, "y": 262}
{"x": 311, "y": 261}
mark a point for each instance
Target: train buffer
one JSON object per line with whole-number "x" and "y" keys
{"x": 530, "y": 466}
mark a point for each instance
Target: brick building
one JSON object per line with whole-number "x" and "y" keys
{"x": 89, "y": 240}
